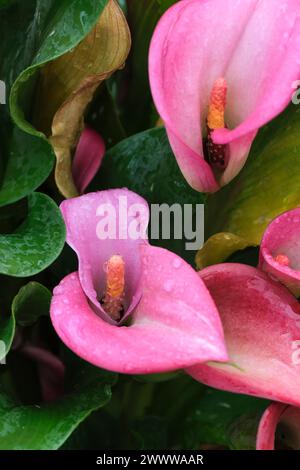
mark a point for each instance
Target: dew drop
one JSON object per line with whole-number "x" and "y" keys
{"x": 105, "y": 267}
{"x": 176, "y": 263}
{"x": 58, "y": 290}
{"x": 168, "y": 286}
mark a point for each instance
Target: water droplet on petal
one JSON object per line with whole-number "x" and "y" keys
{"x": 168, "y": 285}
{"x": 58, "y": 290}
{"x": 105, "y": 267}
{"x": 176, "y": 263}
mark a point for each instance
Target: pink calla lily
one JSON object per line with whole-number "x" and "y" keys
{"x": 88, "y": 157}
{"x": 262, "y": 330}
{"x": 169, "y": 320}
{"x": 200, "y": 49}
{"x": 280, "y": 250}
{"x": 279, "y": 417}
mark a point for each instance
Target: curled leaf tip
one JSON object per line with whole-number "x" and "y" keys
{"x": 67, "y": 85}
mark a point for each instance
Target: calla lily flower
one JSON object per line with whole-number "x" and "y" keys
{"x": 88, "y": 157}
{"x": 280, "y": 250}
{"x": 131, "y": 307}
{"x": 219, "y": 70}
{"x": 261, "y": 323}
{"x": 282, "y": 422}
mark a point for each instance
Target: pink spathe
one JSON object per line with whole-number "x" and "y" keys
{"x": 170, "y": 320}
{"x": 280, "y": 250}
{"x": 88, "y": 157}
{"x": 254, "y": 45}
{"x": 276, "y": 416}
{"x": 261, "y": 323}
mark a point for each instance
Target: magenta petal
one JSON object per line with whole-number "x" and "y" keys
{"x": 172, "y": 296}
{"x": 267, "y": 427}
{"x": 175, "y": 325}
{"x": 288, "y": 417}
{"x": 195, "y": 169}
{"x": 240, "y": 148}
{"x": 282, "y": 237}
{"x": 262, "y": 330}
{"x": 82, "y": 217}
{"x": 88, "y": 158}
{"x": 254, "y": 45}
{"x": 279, "y": 70}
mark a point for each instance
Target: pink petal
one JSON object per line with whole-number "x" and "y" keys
{"x": 81, "y": 219}
{"x": 288, "y": 417}
{"x": 88, "y": 158}
{"x": 253, "y": 44}
{"x": 195, "y": 170}
{"x": 175, "y": 325}
{"x": 240, "y": 148}
{"x": 262, "y": 330}
{"x": 267, "y": 427}
{"x": 282, "y": 237}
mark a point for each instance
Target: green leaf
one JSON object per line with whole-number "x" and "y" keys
{"x": 212, "y": 419}
{"x": 7, "y": 332}
{"x": 37, "y": 242}
{"x": 30, "y": 160}
{"x": 144, "y": 163}
{"x": 43, "y": 30}
{"x": 31, "y": 302}
{"x": 197, "y": 415}
{"x": 266, "y": 187}
{"x": 47, "y": 426}
{"x": 61, "y": 25}
{"x": 218, "y": 248}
